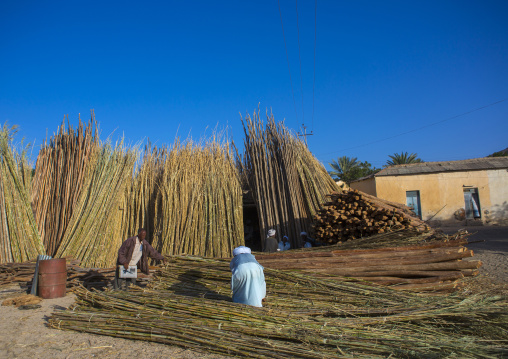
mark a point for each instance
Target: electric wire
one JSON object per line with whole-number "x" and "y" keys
{"x": 300, "y": 59}
{"x": 287, "y": 57}
{"x": 314, "y": 79}
{"x": 419, "y": 128}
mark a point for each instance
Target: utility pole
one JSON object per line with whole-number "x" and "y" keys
{"x": 304, "y": 134}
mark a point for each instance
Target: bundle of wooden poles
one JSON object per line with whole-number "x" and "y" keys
{"x": 139, "y": 206}
{"x": 19, "y": 239}
{"x": 433, "y": 264}
{"x": 199, "y": 203}
{"x": 189, "y": 305}
{"x": 287, "y": 182}
{"x": 354, "y": 214}
{"x": 87, "y": 197}
{"x": 94, "y": 232}
{"x": 188, "y": 197}
{"x": 76, "y": 192}
{"x": 60, "y": 173}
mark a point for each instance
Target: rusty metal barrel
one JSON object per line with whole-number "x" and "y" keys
{"x": 52, "y": 278}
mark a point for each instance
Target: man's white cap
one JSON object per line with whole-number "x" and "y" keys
{"x": 271, "y": 233}
{"x": 303, "y": 233}
{"x": 240, "y": 250}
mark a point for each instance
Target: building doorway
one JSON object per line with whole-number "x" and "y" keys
{"x": 472, "y": 203}
{"x": 413, "y": 202}
{"x": 251, "y": 228}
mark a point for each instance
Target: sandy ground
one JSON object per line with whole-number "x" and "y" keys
{"x": 490, "y": 245}
{"x": 23, "y": 333}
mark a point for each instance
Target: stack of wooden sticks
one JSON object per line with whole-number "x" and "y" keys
{"x": 434, "y": 266}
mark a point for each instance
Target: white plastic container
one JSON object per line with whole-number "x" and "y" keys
{"x": 132, "y": 272}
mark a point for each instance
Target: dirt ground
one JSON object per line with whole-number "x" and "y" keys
{"x": 490, "y": 245}
{"x": 23, "y": 333}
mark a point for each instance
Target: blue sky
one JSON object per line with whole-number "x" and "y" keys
{"x": 158, "y": 69}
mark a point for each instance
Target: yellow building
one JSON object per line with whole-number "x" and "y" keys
{"x": 465, "y": 192}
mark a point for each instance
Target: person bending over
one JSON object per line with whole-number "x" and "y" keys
{"x": 247, "y": 279}
{"x": 134, "y": 252}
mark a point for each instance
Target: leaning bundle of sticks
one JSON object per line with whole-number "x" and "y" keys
{"x": 19, "y": 238}
{"x": 287, "y": 182}
{"x": 86, "y": 197}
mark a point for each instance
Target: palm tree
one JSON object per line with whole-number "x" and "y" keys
{"x": 402, "y": 159}
{"x": 344, "y": 168}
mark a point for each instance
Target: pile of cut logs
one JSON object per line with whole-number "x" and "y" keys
{"x": 435, "y": 266}
{"x": 354, "y": 214}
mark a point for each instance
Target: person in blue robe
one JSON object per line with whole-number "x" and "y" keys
{"x": 247, "y": 280}
{"x": 284, "y": 245}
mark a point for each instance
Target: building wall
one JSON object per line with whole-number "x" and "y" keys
{"x": 498, "y": 211}
{"x": 446, "y": 190}
{"x": 367, "y": 185}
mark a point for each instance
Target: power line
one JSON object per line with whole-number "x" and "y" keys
{"x": 304, "y": 133}
{"x": 419, "y": 128}
{"x": 300, "y": 59}
{"x": 287, "y": 57}
{"x": 314, "y": 80}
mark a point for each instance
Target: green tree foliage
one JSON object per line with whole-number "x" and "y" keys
{"x": 366, "y": 169}
{"x": 348, "y": 169}
{"x": 402, "y": 159}
{"x": 502, "y": 153}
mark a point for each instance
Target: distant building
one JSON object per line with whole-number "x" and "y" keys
{"x": 468, "y": 192}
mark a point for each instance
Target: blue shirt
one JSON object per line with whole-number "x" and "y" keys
{"x": 247, "y": 280}
{"x": 284, "y": 246}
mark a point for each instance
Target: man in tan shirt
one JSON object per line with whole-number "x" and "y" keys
{"x": 271, "y": 242}
{"x": 134, "y": 252}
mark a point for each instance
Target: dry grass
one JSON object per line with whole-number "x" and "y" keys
{"x": 26, "y": 299}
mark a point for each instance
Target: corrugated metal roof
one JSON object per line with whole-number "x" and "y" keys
{"x": 363, "y": 178}
{"x": 477, "y": 164}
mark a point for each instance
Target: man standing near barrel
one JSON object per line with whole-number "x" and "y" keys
{"x": 134, "y": 252}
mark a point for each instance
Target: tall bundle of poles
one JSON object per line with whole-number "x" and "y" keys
{"x": 142, "y": 192}
{"x": 5, "y": 243}
{"x": 288, "y": 183}
{"x": 94, "y": 232}
{"x": 199, "y": 202}
{"x": 19, "y": 239}
{"x": 88, "y": 197}
{"x": 59, "y": 177}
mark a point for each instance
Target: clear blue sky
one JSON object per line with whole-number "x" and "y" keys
{"x": 154, "y": 69}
